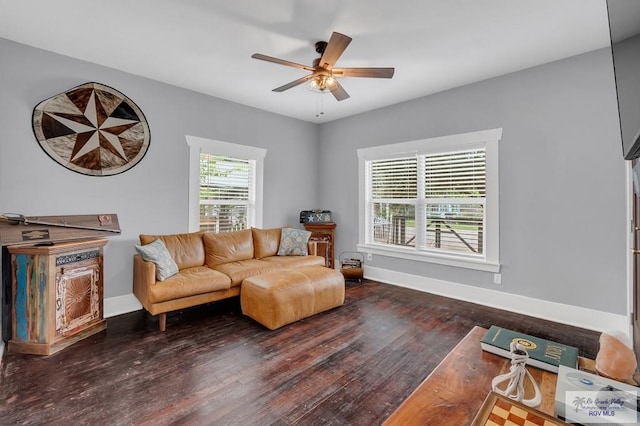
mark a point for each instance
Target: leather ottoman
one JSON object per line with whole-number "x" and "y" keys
{"x": 278, "y": 298}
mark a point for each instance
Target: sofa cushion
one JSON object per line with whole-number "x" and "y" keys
{"x": 265, "y": 242}
{"x": 187, "y": 250}
{"x": 294, "y": 242}
{"x": 157, "y": 253}
{"x": 290, "y": 262}
{"x": 228, "y": 247}
{"x": 189, "y": 282}
{"x": 238, "y": 271}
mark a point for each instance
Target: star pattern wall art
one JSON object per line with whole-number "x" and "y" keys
{"x": 92, "y": 129}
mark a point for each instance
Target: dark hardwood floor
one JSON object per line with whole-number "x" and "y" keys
{"x": 213, "y": 366}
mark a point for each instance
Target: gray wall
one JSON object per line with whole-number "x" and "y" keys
{"x": 152, "y": 197}
{"x": 562, "y": 177}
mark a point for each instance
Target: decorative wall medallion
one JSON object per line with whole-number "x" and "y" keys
{"x": 92, "y": 129}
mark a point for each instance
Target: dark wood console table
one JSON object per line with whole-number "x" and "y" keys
{"x": 454, "y": 392}
{"x": 325, "y": 235}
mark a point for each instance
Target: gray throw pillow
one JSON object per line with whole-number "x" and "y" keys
{"x": 293, "y": 242}
{"x": 157, "y": 253}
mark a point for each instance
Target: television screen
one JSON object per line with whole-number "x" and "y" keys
{"x": 624, "y": 27}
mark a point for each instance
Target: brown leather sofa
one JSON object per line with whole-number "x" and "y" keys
{"x": 211, "y": 267}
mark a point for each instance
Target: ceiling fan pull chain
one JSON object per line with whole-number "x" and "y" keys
{"x": 320, "y": 105}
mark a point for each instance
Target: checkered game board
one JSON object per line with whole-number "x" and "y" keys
{"x": 505, "y": 413}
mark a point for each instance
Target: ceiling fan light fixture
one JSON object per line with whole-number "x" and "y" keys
{"x": 322, "y": 83}
{"x": 314, "y": 84}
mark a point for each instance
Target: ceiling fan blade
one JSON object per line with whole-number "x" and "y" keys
{"x": 338, "y": 92}
{"x": 281, "y": 62}
{"x": 364, "y": 72}
{"x": 336, "y": 46}
{"x": 294, "y": 83}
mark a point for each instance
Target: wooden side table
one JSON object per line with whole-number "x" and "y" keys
{"x": 57, "y": 295}
{"x": 324, "y": 233}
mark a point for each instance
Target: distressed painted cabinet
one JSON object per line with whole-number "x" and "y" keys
{"x": 57, "y": 295}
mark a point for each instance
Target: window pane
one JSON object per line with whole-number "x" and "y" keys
{"x": 456, "y": 175}
{"x": 394, "y": 178}
{"x": 224, "y": 178}
{"x": 394, "y": 224}
{"x": 222, "y": 218}
{"x": 455, "y": 227}
{"x": 226, "y": 192}
{"x": 452, "y": 188}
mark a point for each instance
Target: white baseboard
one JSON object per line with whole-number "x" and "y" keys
{"x": 552, "y": 311}
{"x": 119, "y": 305}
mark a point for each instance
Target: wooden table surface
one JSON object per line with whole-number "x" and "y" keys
{"x": 454, "y": 392}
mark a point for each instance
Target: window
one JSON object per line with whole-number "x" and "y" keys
{"x": 227, "y": 194}
{"x": 225, "y": 185}
{"x": 433, "y": 200}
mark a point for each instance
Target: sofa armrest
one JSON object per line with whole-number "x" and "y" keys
{"x": 144, "y": 276}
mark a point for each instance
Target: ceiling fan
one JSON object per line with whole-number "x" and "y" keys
{"x": 323, "y": 75}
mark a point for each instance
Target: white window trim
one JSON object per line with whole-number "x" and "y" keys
{"x": 198, "y": 145}
{"x": 486, "y": 138}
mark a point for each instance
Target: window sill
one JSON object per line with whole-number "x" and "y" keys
{"x": 429, "y": 257}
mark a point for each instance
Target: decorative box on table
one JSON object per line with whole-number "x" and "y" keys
{"x": 315, "y": 216}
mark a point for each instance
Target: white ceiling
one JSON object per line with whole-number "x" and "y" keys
{"x": 206, "y": 45}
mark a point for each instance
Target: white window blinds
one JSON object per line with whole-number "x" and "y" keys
{"x": 227, "y": 192}
{"x": 456, "y": 175}
{"x": 429, "y": 201}
{"x": 455, "y": 190}
{"x": 394, "y": 179}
